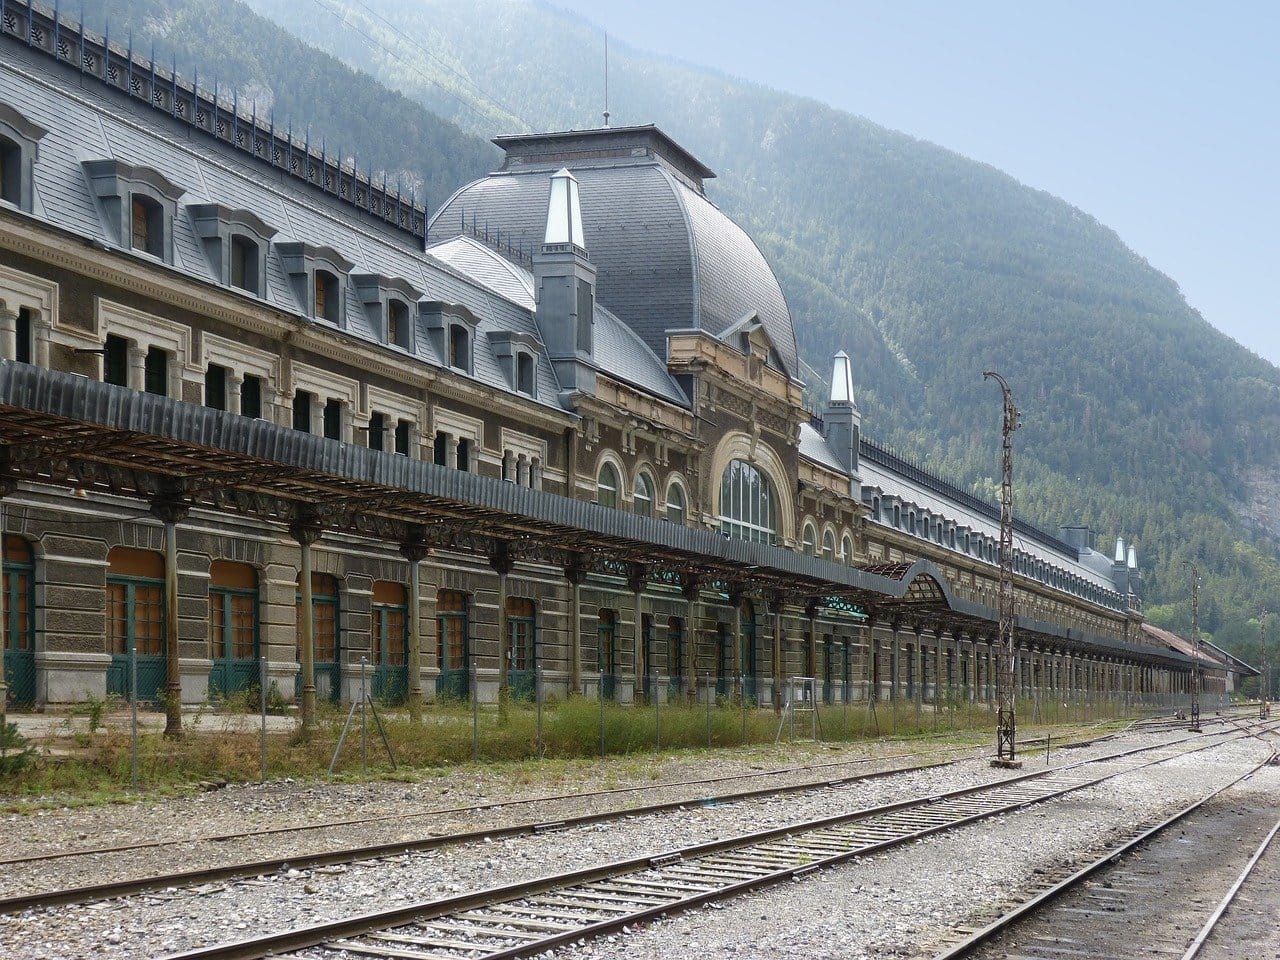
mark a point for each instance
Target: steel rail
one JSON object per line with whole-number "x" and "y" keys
{"x": 492, "y": 805}
{"x": 246, "y": 869}
{"x": 804, "y": 844}
{"x": 983, "y": 935}
{"x": 1211, "y": 924}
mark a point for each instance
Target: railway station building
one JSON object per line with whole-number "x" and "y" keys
{"x": 258, "y": 404}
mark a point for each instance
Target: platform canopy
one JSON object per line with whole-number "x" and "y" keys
{"x": 62, "y": 429}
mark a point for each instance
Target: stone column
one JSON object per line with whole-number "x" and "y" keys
{"x": 8, "y": 335}
{"x": 171, "y": 511}
{"x": 306, "y": 531}
{"x": 415, "y": 551}
{"x": 234, "y": 384}
{"x": 137, "y": 379}
{"x": 522, "y": 471}
{"x": 315, "y": 417}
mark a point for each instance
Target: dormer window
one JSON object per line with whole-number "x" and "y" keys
{"x": 325, "y": 297}
{"x": 18, "y": 139}
{"x": 139, "y": 204}
{"x": 459, "y": 347}
{"x": 319, "y": 279}
{"x": 11, "y": 178}
{"x": 524, "y": 374}
{"x": 244, "y": 264}
{"x": 147, "y": 226}
{"x": 397, "y": 323}
{"x": 235, "y": 242}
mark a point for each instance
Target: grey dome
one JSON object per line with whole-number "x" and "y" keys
{"x": 667, "y": 258}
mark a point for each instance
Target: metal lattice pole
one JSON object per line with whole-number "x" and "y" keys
{"x": 1195, "y": 649}
{"x": 1006, "y": 719}
{"x": 1264, "y": 681}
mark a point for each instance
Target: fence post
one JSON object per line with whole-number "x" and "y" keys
{"x": 262, "y": 735}
{"x": 710, "y": 695}
{"x": 364, "y": 721}
{"x": 475, "y": 711}
{"x": 133, "y": 707}
{"x": 600, "y": 702}
{"x": 537, "y": 695}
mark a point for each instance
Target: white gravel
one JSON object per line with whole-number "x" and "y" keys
{"x": 175, "y": 920}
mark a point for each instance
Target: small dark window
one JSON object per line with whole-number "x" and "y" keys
{"x": 402, "y": 437}
{"x": 441, "y": 450}
{"x": 215, "y": 387}
{"x": 10, "y": 172}
{"x": 251, "y": 397}
{"x": 524, "y": 373}
{"x": 586, "y": 315}
{"x": 147, "y": 226}
{"x": 23, "y": 351}
{"x": 115, "y": 361}
{"x": 459, "y": 347}
{"x": 156, "y": 367}
{"x": 377, "y": 425}
{"x": 464, "y": 454}
{"x": 326, "y": 293}
{"x": 302, "y": 402}
{"x": 333, "y": 419}
{"x": 244, "y": 264}
{"x": 398, "y": 323}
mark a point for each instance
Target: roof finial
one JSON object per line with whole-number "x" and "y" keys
{"x": 564, "y": 212}
{"x": 841, "y": 379}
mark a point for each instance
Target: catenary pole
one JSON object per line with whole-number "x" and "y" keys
{"x": 1006, "y": 720}
{"x": 1195, "y": 648}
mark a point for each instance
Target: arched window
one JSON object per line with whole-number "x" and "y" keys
{"x": 644, "y": 495}
{"x": 828, "y": 546}
{"x": 327, "y": 294}
{"x": 809, "y": 543}
{"x": 846, "y": 549}
{"x": 147, "y": 225}
{"x": 747, "y": 504}
{"x": 397, "y": 323}
{"x": 607, "y": 486}
{"x": 244, "y": 264}
{"x": 677, "y": 506}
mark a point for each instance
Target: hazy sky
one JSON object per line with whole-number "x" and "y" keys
{"x": 1162, "y": 119}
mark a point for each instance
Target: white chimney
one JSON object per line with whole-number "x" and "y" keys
{"x": 564, "y": 215}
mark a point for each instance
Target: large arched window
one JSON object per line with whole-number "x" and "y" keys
{"x": 828, "y": 546}
{"x": 809, "y": 541}
{"x": 607, "y": 486}
{"x": 747, "y": 504}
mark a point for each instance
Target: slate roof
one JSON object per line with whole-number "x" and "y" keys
{"x": 88, "y": 121}
{"x": 667, "y": 258}
{"x": 618, "y": 350}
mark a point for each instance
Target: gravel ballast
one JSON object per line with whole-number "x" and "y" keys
{"x": 171, "y": 921}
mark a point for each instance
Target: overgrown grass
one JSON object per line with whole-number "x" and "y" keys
{"x": 450, "y": 734}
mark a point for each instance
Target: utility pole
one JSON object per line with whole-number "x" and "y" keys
{"x": 1006, "y": 718}
{"x": 1195, "y": 648}
{"x": 1264, "y": 681}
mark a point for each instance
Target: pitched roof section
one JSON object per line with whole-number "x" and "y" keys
{"x": 110, "y": 125}
{"x": 666, "y": 257}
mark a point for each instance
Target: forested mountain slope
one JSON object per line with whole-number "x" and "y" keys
{"x": 1140, "y": 418}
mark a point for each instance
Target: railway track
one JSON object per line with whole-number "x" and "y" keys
{"x": 529, "y": 918}
{"x": 42, "y": 899}
{"x": 1142, "y": 902}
